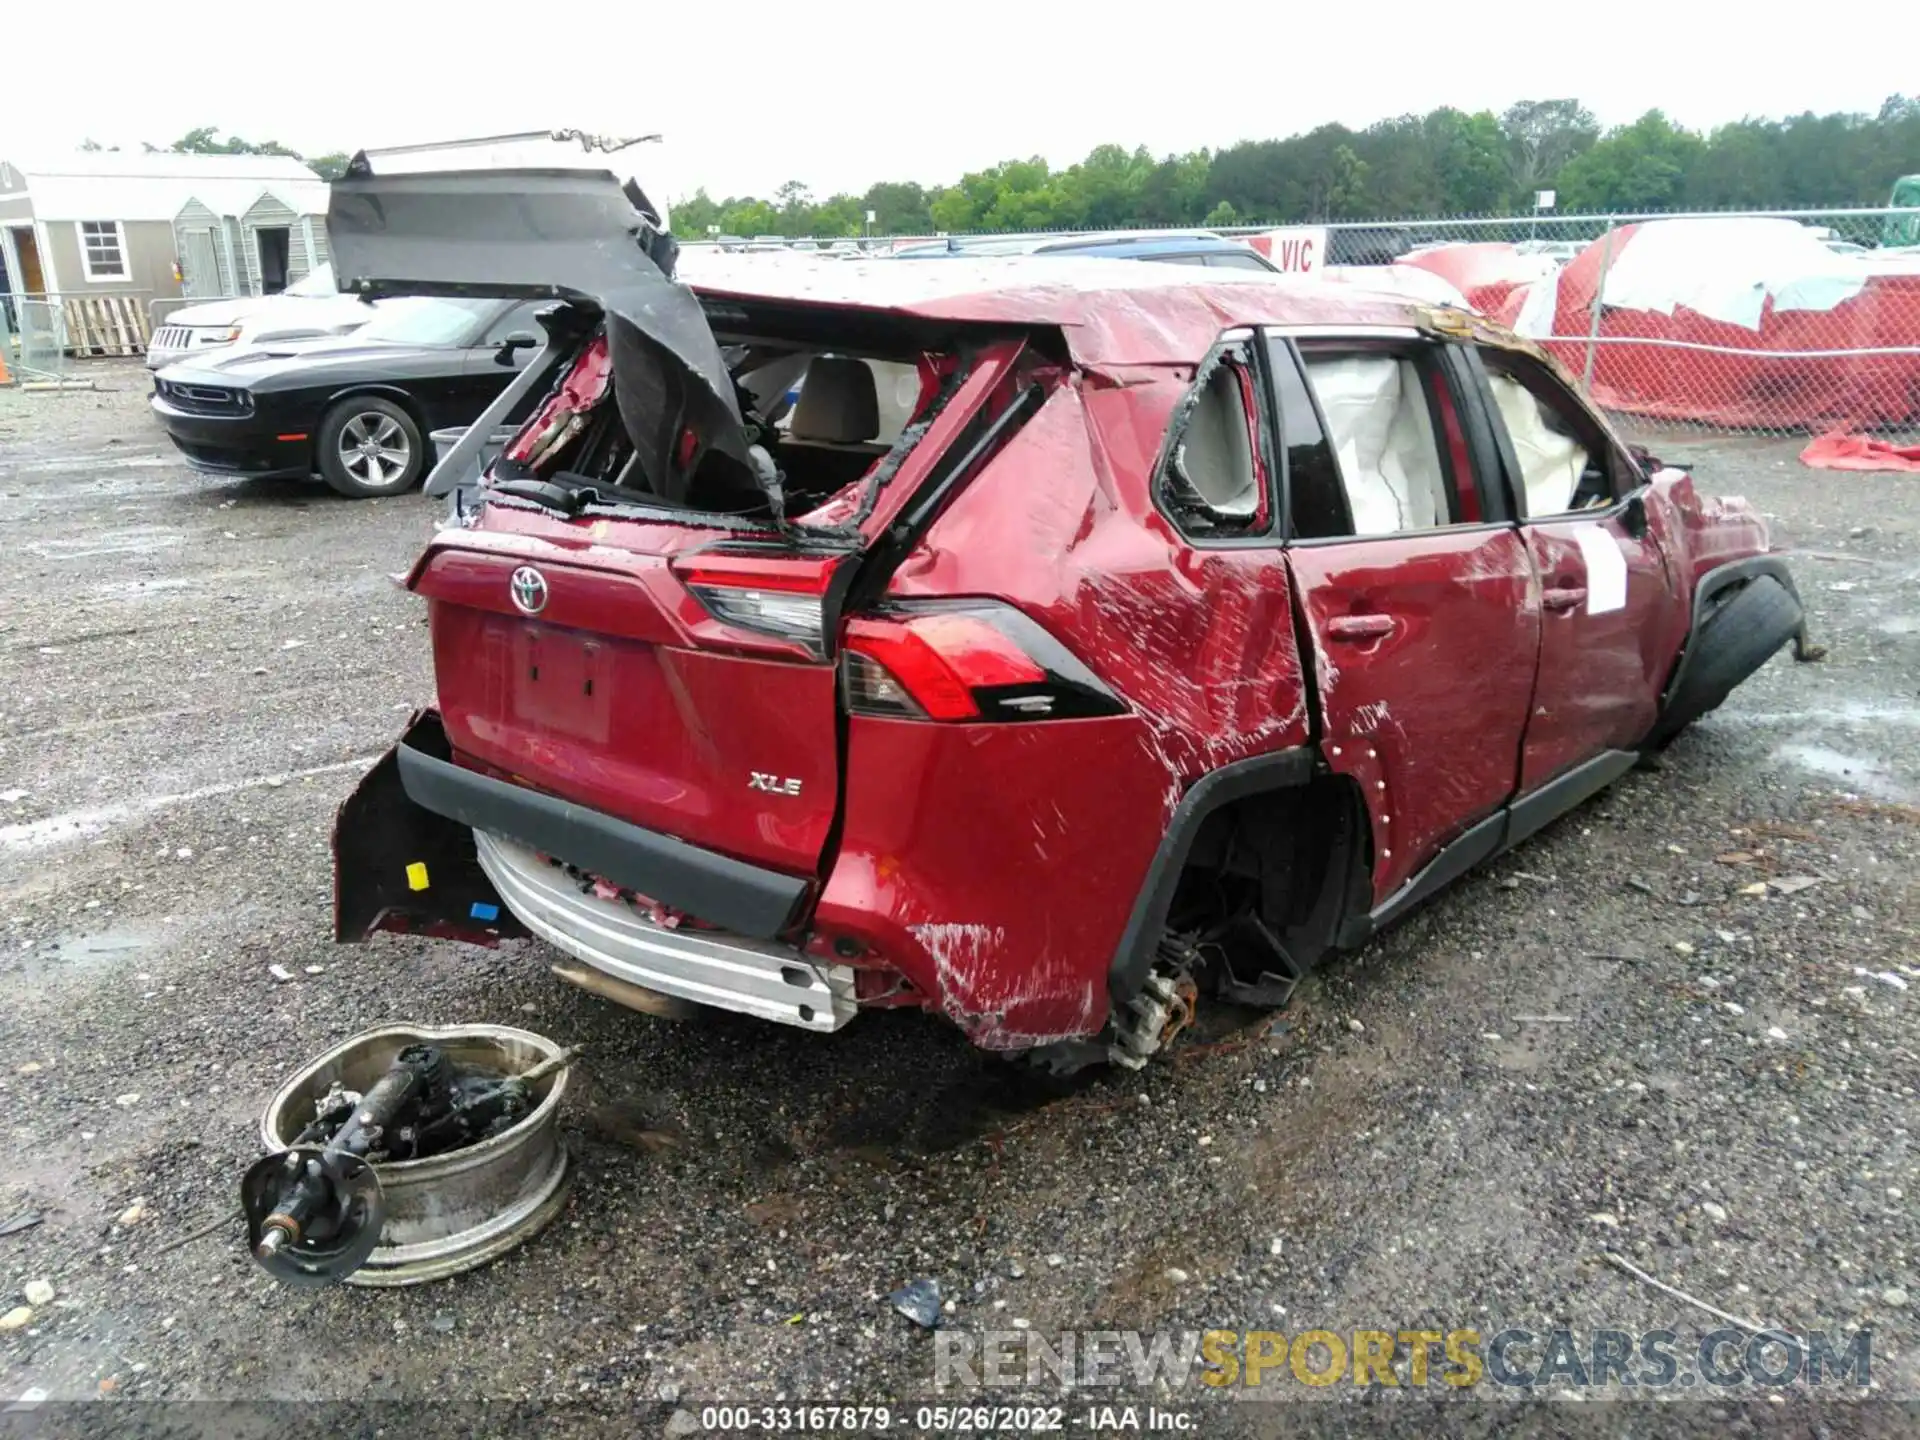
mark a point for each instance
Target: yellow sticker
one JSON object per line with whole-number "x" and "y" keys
{"x": 417, "y": 875}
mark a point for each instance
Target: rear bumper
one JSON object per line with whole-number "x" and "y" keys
{"x": 422, "y": 846}
{"x": 744, "y": 899}
{"x": 773, "y": 982}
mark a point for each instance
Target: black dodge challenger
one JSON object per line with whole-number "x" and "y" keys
{"x": 360, "y": 409}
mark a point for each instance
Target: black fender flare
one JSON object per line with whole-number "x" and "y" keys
{"x": 1278, "y": 770}
{"x": 1708, "y": 589}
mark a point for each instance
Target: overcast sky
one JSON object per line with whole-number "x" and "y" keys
{"x": 840, "y": 95}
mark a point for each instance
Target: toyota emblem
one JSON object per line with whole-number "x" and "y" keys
{"x": 529, "y": 589}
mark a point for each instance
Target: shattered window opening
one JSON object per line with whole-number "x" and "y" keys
{"x": 876, "y": 480}
{"x": 1213, "y": 480}
{"x": 853, "y": 426}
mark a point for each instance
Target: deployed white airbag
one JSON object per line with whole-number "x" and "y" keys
{"x": 1378, "y": 424}
{"x": 1551, "y": 463}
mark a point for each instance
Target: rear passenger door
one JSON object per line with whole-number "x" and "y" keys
{"x": 1612, "y": 617}
{"x": 1416, "y": 589}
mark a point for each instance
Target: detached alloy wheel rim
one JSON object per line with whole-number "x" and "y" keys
{"x": 374, "y": 449}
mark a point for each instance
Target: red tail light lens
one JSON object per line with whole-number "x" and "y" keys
{"x": 976, "y": 662}
{"x": 754, "y": 595}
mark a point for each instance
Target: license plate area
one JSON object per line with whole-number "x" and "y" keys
{"x": 561, "y": 683}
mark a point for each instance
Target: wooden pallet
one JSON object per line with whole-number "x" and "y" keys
{"x": 106, "y": 325}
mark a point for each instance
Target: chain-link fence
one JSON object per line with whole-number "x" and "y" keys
{"x": 1782, "y": 322}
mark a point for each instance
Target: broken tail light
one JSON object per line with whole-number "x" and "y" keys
{"x": 769, "y": 599}
{"x": 973, "y": 661}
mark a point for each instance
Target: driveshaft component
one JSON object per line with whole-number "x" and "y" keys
{"x": 314, "y": 1214}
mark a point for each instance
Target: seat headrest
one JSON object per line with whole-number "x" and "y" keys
{"x": 838, "y": 403}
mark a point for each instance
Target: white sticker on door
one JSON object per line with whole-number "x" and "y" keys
{"x": 1606, "y": 569}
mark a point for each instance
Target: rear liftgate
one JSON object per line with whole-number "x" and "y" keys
{"x": 406, "y": 856}
{"x": 583, "y": 239}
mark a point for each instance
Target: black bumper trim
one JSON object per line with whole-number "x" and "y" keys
{"x": 718, "y": 889}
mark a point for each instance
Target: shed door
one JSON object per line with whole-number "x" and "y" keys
{"x": 200, "y": 264}
{"x": 30, "y": 281}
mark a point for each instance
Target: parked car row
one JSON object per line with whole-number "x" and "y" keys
{"x": 316, "y": 380}
{"x": 1200, "y": 247}
{"x": 310, "y": 308}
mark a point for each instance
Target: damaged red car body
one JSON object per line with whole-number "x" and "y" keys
{"x": 1082, "y": 635}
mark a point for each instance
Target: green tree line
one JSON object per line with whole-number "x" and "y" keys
{"x": 1447, "y": 162}
{"x": 205, "y": 140}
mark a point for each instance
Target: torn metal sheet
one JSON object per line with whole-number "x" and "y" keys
{"x": 579, "y": 237}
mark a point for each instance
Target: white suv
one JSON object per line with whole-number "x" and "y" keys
{"x": 308, "y": 309}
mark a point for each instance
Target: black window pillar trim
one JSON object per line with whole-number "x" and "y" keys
{"x": 1133, "y": 958}
{"x": 1281, "y": 349}
{"x": 1496, "y": 468}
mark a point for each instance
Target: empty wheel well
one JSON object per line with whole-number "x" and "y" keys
{"x": 1269, "y": 879}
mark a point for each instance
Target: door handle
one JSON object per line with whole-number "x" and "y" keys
{"x": 1360, "y": 627}
{"x": 1564, "y": 597}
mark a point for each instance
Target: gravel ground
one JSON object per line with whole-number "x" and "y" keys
{"x": 1717, "y": 1085}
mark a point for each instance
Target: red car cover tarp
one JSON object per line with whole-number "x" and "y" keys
{"x": 1485, "y": 272}
{"x": 1859, "y": 452}
{"x": 1782, "y": 376}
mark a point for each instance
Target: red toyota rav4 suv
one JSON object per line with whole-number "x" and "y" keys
{"x": 1085, "y": 633}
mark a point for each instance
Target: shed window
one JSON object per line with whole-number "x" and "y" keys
{"x": 103, "y": 249}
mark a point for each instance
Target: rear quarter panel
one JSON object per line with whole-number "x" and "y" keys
{"x": 1199, "y": 642}
{"x": 995, "y": 866}
{"x": 1010, "y": 866}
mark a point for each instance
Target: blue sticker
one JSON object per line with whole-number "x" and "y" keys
{"x": 483, "y": 911}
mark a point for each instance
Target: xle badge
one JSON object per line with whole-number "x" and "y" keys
{"x": 772, "y": 784}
